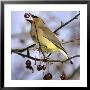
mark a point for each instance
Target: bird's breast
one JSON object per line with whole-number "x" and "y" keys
{"x": 36, "y": 33}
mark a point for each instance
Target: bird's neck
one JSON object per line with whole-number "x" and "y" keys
{"x": 38, "y": 23}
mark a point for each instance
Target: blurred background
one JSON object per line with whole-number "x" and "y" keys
{"x": 20, "y": 38}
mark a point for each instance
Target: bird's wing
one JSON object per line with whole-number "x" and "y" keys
{"x": 47, "y": 33}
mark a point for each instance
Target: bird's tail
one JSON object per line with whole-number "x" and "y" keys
{"x": 64, "y": 54}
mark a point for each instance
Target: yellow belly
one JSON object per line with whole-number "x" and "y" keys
{"x": 47, "y": 45}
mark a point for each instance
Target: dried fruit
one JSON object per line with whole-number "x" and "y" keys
{"x": 44, "y": 67}
{"x": 28, "y": 63}
{"x": 63, "y": 76}
{"x": 39, "y": 67}
{"x": 47, "y": 76}
{"x": 30, "y": 67}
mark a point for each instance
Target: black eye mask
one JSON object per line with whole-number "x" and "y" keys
{"x": 34, "y": 16}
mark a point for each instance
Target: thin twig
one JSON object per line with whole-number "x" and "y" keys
{"x": 46, "y": 60}
{"x": 73, "y": 40}
{"x": 22, "y": 50}
{"x": 66, "y": 23}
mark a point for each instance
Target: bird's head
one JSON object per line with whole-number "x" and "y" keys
{"x": 33, "y": 19}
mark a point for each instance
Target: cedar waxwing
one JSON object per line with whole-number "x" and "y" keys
{"x": 41, "y": 34}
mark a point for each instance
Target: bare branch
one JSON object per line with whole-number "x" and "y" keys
{"x": 73, "y": 40}
{"x": 22, "y": 50}
{"x": 66, "y": 23}
{"x": 46, "y": 60}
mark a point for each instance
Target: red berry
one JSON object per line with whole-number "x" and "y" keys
{"x": 30, "y": 67}
{"x": 39, "y": 67}
{"x": 28, "y": 62}
{"x": 48, "y": 76}
{"x": 63, "y": 76}
{"x": 44, "y": 67}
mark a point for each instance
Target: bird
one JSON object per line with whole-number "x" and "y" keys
{"x": 40, "y": 33}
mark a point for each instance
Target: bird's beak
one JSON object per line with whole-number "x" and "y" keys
{"x": 29, "y": 19}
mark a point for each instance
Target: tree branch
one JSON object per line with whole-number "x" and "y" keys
{"x": 46, "y": 60}
{"x": 66, "y": 23}
{"x": 22, "y": 50}
{"x": 73, "y": 40}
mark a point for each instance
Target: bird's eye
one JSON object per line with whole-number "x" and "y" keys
{"x": 26, "y": 15}
{"x": 34, "y": 16}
